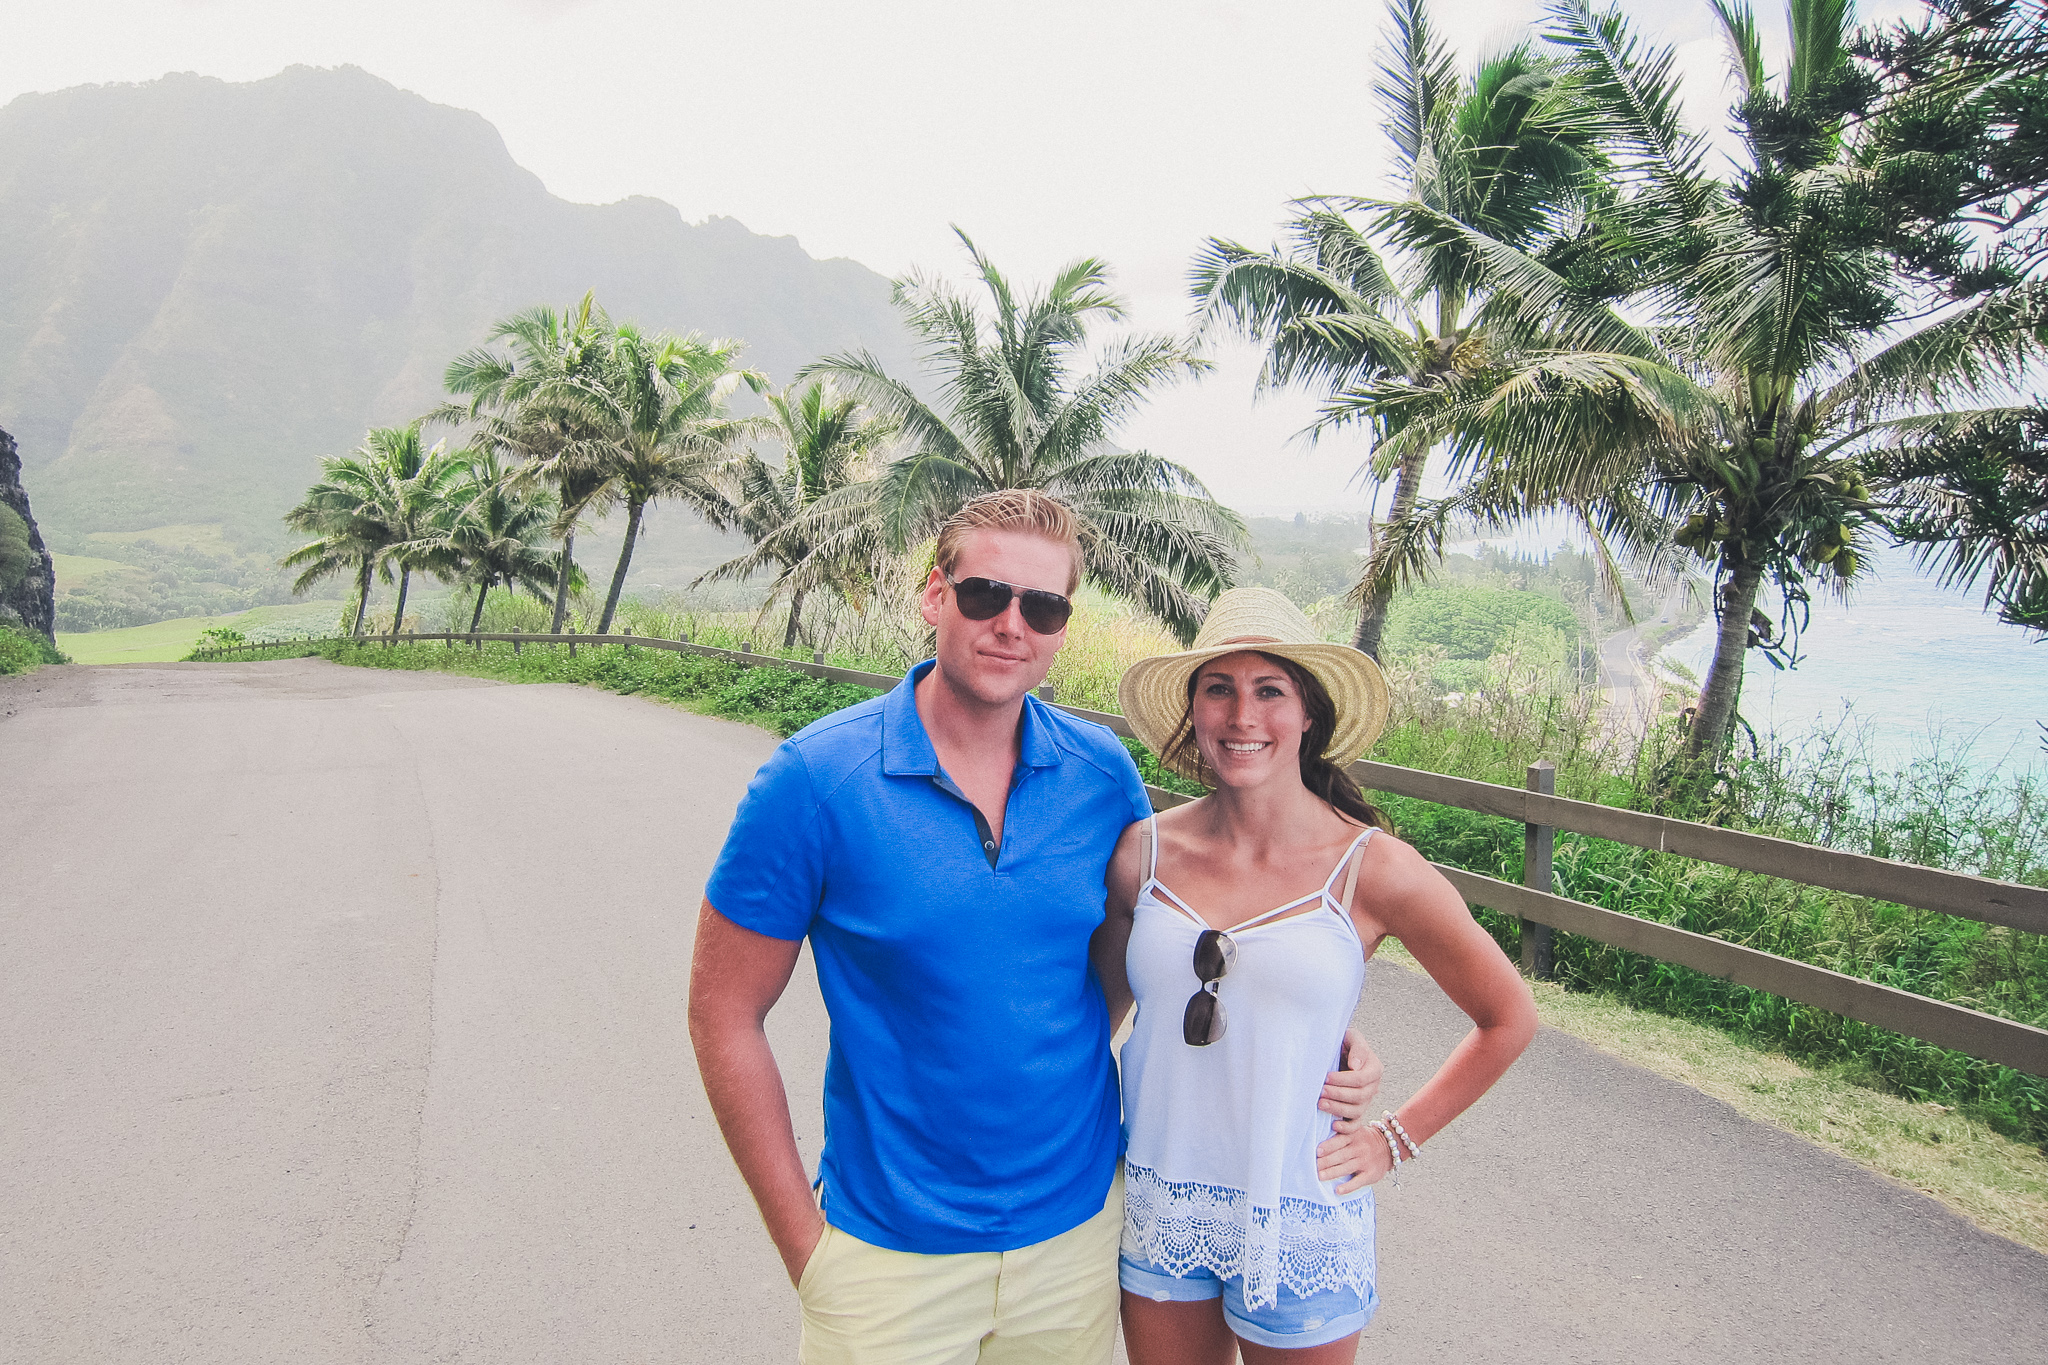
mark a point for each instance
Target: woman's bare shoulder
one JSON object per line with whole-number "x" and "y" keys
{"x": 1397, "y": 870}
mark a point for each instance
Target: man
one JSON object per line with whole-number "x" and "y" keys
{"x": 943, "y": 847}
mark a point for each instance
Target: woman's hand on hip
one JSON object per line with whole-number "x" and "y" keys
{"x": 1354, "y": 1160}
{"x": 1348, "y": 1094}
{"x": 1347, "y": 1097}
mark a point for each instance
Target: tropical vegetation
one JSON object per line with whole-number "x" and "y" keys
{"x": 1397, "y": 332}
{"x": 830, "y": 443}
{"x": 1796, "y": 394}
{"x": 1017, "y": 409}
{"x": 372, "y": 513}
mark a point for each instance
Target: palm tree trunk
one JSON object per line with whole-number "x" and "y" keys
{"x": 796, "y": 611}
{"x": 562, "y": 584}
{"x": 1372, "y": 617}
{"x": 1715, "y": 715}
{"x": 611, "y": 601}
{"x": 363, "y": 601}
{"x": 476, "y": 617}
{"x": 398, "y": 616}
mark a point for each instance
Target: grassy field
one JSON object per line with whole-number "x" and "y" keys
{"x": 73, "y": 570}
{"x": 205, "y": 537}
{"x": 163, "y": 641}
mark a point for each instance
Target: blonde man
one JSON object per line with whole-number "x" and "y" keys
{"x": 943, "y": 847}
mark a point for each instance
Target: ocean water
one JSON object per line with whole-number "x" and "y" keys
{"x": 1912, "y": 664}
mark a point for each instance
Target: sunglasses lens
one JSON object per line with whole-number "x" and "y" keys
{"x": 1213, "y": 954}
{"x": 1203, "y": 1022}
{"x": 980, "y": 599}
{"x": 1046, "y": 612}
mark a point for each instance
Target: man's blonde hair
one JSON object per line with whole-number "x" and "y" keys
{"x": 1013, "y": 509}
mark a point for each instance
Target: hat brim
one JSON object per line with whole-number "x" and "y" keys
{"x": 1154, "y": 694}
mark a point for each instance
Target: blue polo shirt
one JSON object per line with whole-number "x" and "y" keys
{"x": 970, "y": 1103}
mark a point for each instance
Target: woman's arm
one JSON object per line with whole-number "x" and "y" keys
{"x": 1106, "y": 948}
{"x": 1403, "y": 896}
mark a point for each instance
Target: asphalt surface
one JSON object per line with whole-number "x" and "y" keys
{"x": 341, "y": 1019}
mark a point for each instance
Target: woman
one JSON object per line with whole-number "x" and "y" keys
{"x": 1242, "y": 923}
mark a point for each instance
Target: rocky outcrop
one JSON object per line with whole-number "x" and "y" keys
{"x": 28, "y": 580}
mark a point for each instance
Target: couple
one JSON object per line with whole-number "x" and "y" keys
{"x": 987, "y": 892}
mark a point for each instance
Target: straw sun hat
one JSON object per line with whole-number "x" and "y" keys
{"x": 1154, "y": 692}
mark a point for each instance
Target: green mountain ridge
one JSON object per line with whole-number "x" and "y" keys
{"x": 205, "y": 286}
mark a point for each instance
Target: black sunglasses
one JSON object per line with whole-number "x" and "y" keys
{"x": 1203, "y": 1023}
{"x": 983, "y": 598}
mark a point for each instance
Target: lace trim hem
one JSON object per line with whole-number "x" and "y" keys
{"x": 1311, "y": 1248}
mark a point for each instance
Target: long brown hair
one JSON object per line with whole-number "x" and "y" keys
{"x": 1322, "y": 777}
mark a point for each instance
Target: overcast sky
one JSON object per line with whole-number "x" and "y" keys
{"x": 1129, "y": 131}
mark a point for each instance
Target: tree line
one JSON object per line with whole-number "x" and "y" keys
{"x": 570, "y": 416}
{"x": 1757, "y": 368}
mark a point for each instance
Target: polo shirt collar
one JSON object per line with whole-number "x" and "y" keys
{"x": 907, "y": 750}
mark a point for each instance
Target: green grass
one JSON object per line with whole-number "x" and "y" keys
{"x": 164, "y": 641}
{"x": 23, "y": 651}
{"x": 1932, "y": 811}
{"x": 776, "y": 699}
{"x": 205, "y": 537}
{"x": 75, "y": 569}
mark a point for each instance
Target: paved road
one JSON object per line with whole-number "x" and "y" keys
{"x": 341, "y": 1020}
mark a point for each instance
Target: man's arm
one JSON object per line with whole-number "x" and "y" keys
{"x": 736, "y": 976}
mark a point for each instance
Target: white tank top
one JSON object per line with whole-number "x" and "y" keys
{"x": 1220, "y": 1158}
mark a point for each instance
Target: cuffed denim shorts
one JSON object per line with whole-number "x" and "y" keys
{"x": 1290, "y": 1323}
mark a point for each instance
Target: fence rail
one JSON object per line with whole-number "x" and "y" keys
{"x": 1541, "y": 813}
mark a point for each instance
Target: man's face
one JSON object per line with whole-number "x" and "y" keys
{"x": 998, "y": 660}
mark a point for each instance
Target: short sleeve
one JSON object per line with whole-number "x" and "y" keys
{"x": 770, "y": 875}
{"x": 1133, "y": 784}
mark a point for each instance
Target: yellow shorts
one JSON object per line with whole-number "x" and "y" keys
{"x": 1051, "y": 1303}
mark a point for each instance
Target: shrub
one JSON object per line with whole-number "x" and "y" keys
{"x": 24, "y": 651}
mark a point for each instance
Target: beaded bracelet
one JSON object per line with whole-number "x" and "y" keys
{"x": 1393, "y": 1150}
{"x": 1414, "y": 1150}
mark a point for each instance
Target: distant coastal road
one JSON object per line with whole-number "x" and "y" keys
{"x": 341, "y": 1020}
{"x": 1627, "y": 687}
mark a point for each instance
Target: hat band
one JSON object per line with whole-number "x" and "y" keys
{"x": 1248, "y": 640}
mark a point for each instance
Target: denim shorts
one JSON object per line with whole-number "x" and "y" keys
{"x": 1292, "y": 1322}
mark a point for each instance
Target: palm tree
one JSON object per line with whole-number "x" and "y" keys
{"x": 415, "y": 486}
{"x": 1018, "y": 416}
{"x": 649, "y": 422}
{"x": 1762, "y": 422}
{"x": 1504, "y": 156}
{"x": 828, "y": 441}
{"x": 545, "y": 348}
{"x": 344, "y": 510}
{"x": 372, "y": 511}
{"x": 495, "y": 531}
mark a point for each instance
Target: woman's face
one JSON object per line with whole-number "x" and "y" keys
{"x": 1249, "y": 719}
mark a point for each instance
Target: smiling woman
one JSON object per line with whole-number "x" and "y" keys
{"x": 1227, "y": 929}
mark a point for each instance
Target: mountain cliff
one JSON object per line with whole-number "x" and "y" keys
{"x": 27, "y": 584}
{"x": 206, "y": 286}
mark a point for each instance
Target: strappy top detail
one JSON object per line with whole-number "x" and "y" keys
{"x": 1171, "y": 899}
{"x": 1220, "y": 1166}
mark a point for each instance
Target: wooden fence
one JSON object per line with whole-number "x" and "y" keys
{"x": 1542, "y": 912}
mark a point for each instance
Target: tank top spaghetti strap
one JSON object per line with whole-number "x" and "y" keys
{"x": 1220, "y": 1159}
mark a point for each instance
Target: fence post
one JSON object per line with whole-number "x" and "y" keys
{"x": 627, "y": 631}
{"x": 746, "y": 647}
{"x": 1045, "y": 693}
{"x": 818, "y": 657}
{"x": 515, "y": 639}
{"x": 1539, "y": 957}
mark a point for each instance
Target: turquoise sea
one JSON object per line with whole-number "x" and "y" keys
{"x": 1910, "y": 664}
